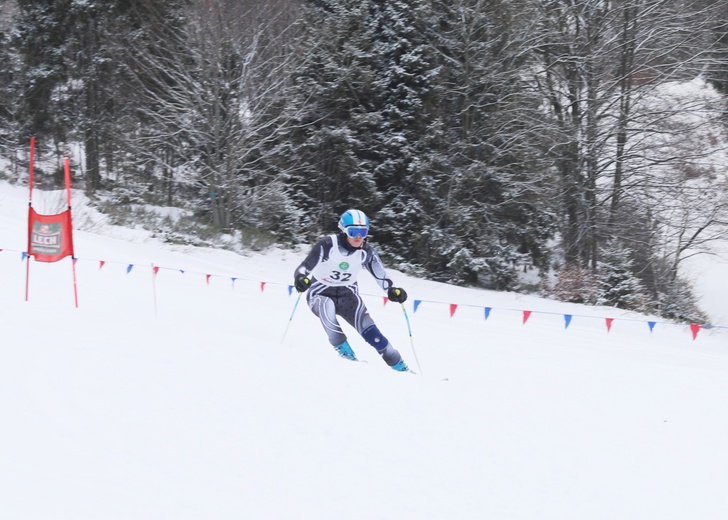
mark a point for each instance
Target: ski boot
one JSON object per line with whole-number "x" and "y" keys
{"x": 401, "y": 366}
{"x": 345, "y": 351}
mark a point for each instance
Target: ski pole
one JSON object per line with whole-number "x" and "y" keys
{"x": 295, "y": 306}
{"x": 412, "y": 343}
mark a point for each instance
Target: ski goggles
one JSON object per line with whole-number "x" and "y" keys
{"x": 357, "y": 231}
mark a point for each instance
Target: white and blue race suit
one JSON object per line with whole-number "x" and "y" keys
{"x": 333, "y": 266}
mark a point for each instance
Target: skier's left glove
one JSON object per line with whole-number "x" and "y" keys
{"x": 301, "y": 282}
{"x": 397, "y": 295}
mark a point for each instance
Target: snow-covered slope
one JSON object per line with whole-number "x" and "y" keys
{"x": 173, "y": 396}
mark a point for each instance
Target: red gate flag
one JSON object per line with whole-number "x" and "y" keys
{"x": 50, "y": 237}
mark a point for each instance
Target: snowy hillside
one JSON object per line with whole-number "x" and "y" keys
{"x": 173, "y": 396}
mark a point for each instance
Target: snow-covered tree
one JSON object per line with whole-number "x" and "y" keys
{"x": 399, "y": 140}
{"x": 214, "y": 97}
{"x": 366, "y": 92}
{"x": 618, "y": 285}
{"x": 333, "y": 90}
{"x": 678, "y": 302}
{"x": 9, "y": 70}
{"x": 75, "y": 56}
{"x": 490, "y": 186}
{"x": 594, "y": 61}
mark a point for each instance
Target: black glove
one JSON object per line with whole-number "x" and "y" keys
{"x": 302, "y": 282}
{"x": 397, "y": 295}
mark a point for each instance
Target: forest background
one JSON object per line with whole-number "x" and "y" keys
{"x": 572, "y": 148}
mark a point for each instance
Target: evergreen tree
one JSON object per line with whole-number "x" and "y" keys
{"x": 416, "y": 118}
{"x": 366, "y": 93}
{"x": 9, "y": 65}
{"x": 617, "y": 283}
{"x": 40, "y": 38}
{"x": 399, "y": 139}
{"x": 334, "y": 109}
{"x": 75, "y": 55}
{"x": 678, "y": 302}
{"x": 492, "y": 189}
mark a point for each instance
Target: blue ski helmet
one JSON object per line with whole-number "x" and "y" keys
{"x": 353, "y": 217}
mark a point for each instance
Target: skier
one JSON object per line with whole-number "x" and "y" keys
{"x": 331, "y": 270}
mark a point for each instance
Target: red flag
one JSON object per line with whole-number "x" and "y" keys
{"x": 262, "y": 286}
{"x": 155, "y": 269}
{"x": 694, "y": 328}
{"x": 50, "y": 237}
{"x": 207, "y": 278}
{"x": 609, "y": 323}
{"x": 385, "y": 300}
{"x": 453, "y": 308}
{"x": 101, "y": 263}
{"x": 526, "y": 315}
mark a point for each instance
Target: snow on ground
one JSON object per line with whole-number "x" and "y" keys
{"x": 174, "y": 396}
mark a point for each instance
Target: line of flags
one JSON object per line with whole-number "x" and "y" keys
{"x": 526, "y": 314}
{"x": 453, "y": 307}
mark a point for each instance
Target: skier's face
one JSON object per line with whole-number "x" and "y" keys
{"x": 355, "y": 235}
{"x": 355, "y": 242}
